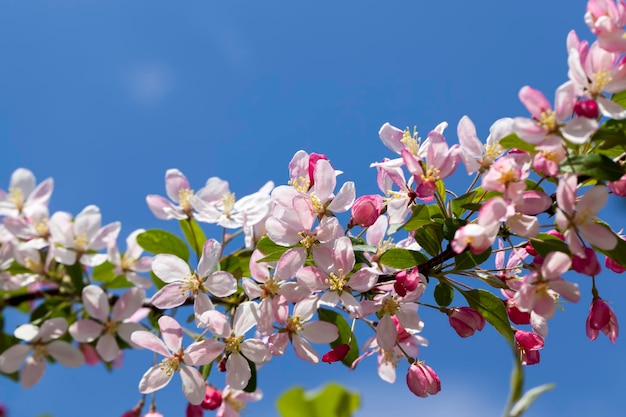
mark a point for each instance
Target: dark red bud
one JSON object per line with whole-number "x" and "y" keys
{"x": 586, "y": 108}
{"x": 336, "y": 354}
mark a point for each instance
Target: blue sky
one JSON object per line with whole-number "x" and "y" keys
{"x": 105, "y": 96}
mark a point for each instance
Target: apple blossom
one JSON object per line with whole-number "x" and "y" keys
{"x": 176, "y": 359}
{"x": 465, "y": 320}
{"x": 24, "y": 194}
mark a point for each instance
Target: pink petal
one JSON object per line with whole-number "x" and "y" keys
{"x": 32, "y": 372}
{"x": 12, "y": 358}
{"x": 320, "y": 332}
{"x": 201, "y": 353}
{"x": 174, "y": 182}
{"x": 238, "y": 371}
{"x": 535, "y": 101}
{"x": 194, "y": 387}
{"x": 170, "y": 268}
{"x": 65, "y": 354}
{"x": 150, "y": 341}
{"x": 391, "y": 136}
{"x": 154, "y": 379}
{"x": 107, "y": 348}
{"x": 96, "y": 302}
{"x": 304, "y": 350}
{"x": 128, "y": 304}
{"x": 170, "y": 296}
{"x": 210, "y": 255}
{"x": 246, "y": 317}
{"x": 85, "y": 330}
{"x": 221, "y": 284}
{"x": 256, "y": 351}
{"x": 52, "y": 329}
{"x": 171, "y": 332}
{"x": 344, "y": 198}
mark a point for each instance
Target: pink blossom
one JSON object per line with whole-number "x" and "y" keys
{"x": 481, "y": 235}
{"x": 366, "y": 210}
{"x": 422, "y": 380}
{"x": 182, "y": 281}
{"x": 529, "y": 345}
{"x": 77, "y": 239}
{"x": 104, "y": 328}
{"x": 473, "y": 153}
{"x": 234, "y": 401}
{"x": 606, "y": 19}
{"x": 178, "y": 190}
{"x": 602, "y": 318}
{"x": 176, "y": 359}
{"x": 40, "y": 343}
{"x": 576, "y": 217}
{"x": 131, "y": 262}
{"x": 194, "y": 410}
{"x": 465, "y": 320}
{"x": 24, "y": 194}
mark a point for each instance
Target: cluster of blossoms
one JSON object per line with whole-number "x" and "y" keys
{"x": 300, "y": 276}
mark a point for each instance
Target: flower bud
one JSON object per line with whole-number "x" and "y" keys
{"x": 212, "y": 399}
{"x": 529, "y": 344}
{"x": 614, "y": 266}
{"x": 406, "y": 281}
{"x": 422, "y": 380}
{"x": 336, "y": 354}
{"x": 618, "y": 187}
{"x": 602, "y": 319}
{"x": 313, "y": 158}
{"x": 515, "y": 314}
{"x": 588, "y": 265}
{"x": 465, "y": 320}
{"x": 194, "y": 411}
{"x": 3, "y": 411}
{"x": 366, "y": 209}
{"x": 90, "y": 354}
{"x": 586, "y": 108}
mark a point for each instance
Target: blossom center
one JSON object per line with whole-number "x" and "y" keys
{"x": 301, "y": 184}
{"x": 191, "y": 283}
{"x": 16, "y": 196}
{"x": 600, "y": 79}
{"x": 294, "y": 324}
{"x": 232, "y": 343}
{"x": 172, "y": 364}
{"x": 308, "y": 239}
{"x": 390, "y": 305}
{"x": 391, "y": 357}
{"x": 547, "y": 121}
{"x": 270, "y": 288}
{"x": 411, "y": 141}
{"x": 80, "y": 240}
{"x": 228, "y": 201}
{"x": 41, "y": 227}
{"x": 337, "y": 281}
{"x": 431, "y": 175}
{"x": 183, "y": 198}
{"x": 235, "y": 404}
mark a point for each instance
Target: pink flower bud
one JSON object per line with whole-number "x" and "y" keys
{"x": 422, "y": 380}
{"x": 366, "y": 210}
{"x": 221, "y": 365}
{"x": 336, "y": 354}
{"x": 529, "y": 344}
{"x": 406, "y": 281}
{"x": 212, "y": 399}
{"x": 194, "y": 411}
{"x": 313, "y": 158}
{"x": 588, "y": 265}
{"x": 3, "y": 411}
{"x": 586, "y": 108}
{"x": 465, "y": 320}
{"x": 135, "y": 412}
{"x": 618, "y": 187}
{"x": 90, "y": 354}
{"x": 402, "y": 333}
{"x": 602, "y": 319}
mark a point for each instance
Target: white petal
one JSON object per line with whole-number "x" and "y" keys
{"x": 107, "y": 348}
{"x": 95, "y": 302}
{"x": 169, "y": 268}
{"x": 65, "y": 354}
{"x": 12, "y": 358}
{"x": 320, "y": 332}
{"x": 238, "y": 371}
{"x": 154, "y": 379}
{"x": 256, "y": 351}
{"x": 194, "y": 386}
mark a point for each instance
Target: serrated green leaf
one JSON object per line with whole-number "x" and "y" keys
{"x": 528, "y": 398}
{"x": 594, "y": 165}
{"x": 544, "y": 243}
{"x": 345, "y": 334}
{"x": 420, "y": 216}
{"x": 467, "y": 260}
{"x": 444, "y": 294}
{"x": 492, "y": 309}
{"x": 238, "y": 264}
{"x": 402, "y": 258}
{"x": 513, "y": 141}
{"x": 159, "y": 241}
{"x": 194, "y": 234}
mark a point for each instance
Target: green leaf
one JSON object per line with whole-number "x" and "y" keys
{"x": 467, "y": 260}
{"x": 76, "y": 275}
{"x": 194, "y": 234}
{"x": 293, "y": 403}
{"x": 419, "y": 218}
{"x": 458, "y": 203}
{"x": 620, "y": 98}
{"x": 429, "y": 237}
{"x": 251, "y": 387}
{"x": 513, "y": 141}
{"x": 594, "y": 165}
{"x": 332, "y": 401}
{"x": 159, "y": 241}
{"x": 119, "y": 281}
{"x": 402, "y": 258}
{"x": 444, "y": 294}
{"x": 237, "y": 264}
{"x": 492, "y": 280}
{"x": 528, "y": 398}
{"x": 611, "y": 135}
{"x": 450, "y": 226}
{"x": 618, "y": 253}
{"x": 158, "y": 283}
{"x": 345, "y": 334}
{"x": 545, "y": 243}
{"x": 492, "y": 309}
{"x": 271, "y": 250}
{"x": 103, "y": 272}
